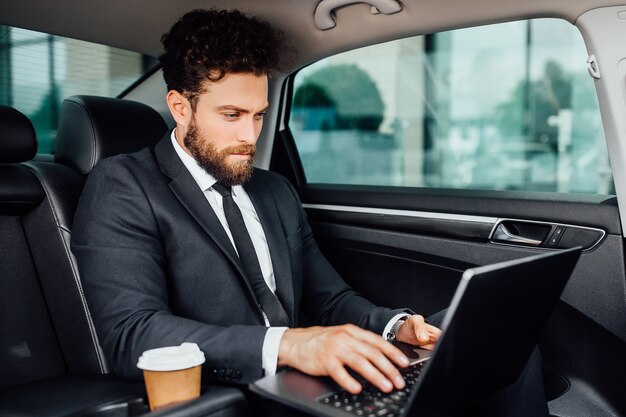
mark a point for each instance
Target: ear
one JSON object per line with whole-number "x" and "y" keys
{"x": 180, "y": 108}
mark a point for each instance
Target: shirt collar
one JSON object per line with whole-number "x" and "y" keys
{"x": 199, "y": 174}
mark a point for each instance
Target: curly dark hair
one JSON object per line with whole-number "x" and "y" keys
{"x": 208, "y": 44}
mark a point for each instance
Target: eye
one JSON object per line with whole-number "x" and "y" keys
{"x": 260, "y": 116}
{"x": 231, "y": 116}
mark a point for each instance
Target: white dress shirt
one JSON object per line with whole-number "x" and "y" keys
{"x": 205, "y": 181}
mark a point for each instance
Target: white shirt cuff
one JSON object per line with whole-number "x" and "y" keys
{"x": 271, "y": 343}
{"x": 392, "y": 322}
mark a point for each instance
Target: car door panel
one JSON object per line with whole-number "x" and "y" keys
{"x": 408, "y": 247}
{"x": 449, "y": 244}
{"x": 415, "y": 258}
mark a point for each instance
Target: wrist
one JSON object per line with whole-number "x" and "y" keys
{"x": 285, "y": 348}
{"x": 392, "y": 335}
{"x": 271, "y": 344}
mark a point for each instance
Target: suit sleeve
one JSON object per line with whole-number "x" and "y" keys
{"x": 119, "y": 251}
{"x": 327, "y": 299}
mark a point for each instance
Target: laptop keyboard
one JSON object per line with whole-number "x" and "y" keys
{"x": 371, "y": 402}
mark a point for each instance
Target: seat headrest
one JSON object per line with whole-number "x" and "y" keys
{"x": 18, "y": 141}
{"x": 92, "y": 128}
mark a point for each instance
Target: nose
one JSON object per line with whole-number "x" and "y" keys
{"x": 249, "y": 131}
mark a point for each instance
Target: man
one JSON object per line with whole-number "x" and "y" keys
{"x": 156, "y": 251}
{"x": 187, "y": 242}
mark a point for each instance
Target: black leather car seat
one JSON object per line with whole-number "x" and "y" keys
{"x": 50, "y": 360}
{"x": 84, "y": 122}
{"x": 28, "y": 346}
{"x": 92, "y": 128}
{"x": 48, "y": 346}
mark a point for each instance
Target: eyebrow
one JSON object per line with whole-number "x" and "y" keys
{"x": 239, "y": 109}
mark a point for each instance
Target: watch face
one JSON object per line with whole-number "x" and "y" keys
{"x": 391, "y": 336}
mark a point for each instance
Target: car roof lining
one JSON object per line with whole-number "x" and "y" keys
{"x": 124, "y": 20}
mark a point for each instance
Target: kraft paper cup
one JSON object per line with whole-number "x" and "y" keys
{"x": 172, "y": 374}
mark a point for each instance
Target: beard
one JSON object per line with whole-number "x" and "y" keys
{"x": 215, "y": 162}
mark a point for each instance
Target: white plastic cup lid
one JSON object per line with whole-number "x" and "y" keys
{"x": 171, "y": 358}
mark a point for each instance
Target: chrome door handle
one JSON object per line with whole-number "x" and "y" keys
{"x": 502, "y": 234}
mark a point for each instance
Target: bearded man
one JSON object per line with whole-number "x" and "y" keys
{"x": 159, "y": 252}
{"x": 188, "y": 242}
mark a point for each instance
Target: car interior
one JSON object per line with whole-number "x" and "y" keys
{"x": 446, "y": 135}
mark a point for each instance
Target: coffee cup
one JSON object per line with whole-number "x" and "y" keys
{"x": 172, "y": 374}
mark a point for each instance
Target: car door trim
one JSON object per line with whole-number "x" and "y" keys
{"x": 406, "y": 213}
{"x": 493, "y": 222}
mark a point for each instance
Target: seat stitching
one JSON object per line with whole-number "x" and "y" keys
{"x": 76, "y": 276}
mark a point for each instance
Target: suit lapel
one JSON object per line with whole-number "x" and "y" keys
{"x": 266, "y": 209}
{"x": 185, "y": 188}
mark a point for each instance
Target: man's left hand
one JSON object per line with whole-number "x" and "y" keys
{"x": 415, "y": 331}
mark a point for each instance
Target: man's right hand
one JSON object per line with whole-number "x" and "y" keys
{"x": 326, "y": 351}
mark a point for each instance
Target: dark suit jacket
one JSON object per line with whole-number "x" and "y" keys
{"x": 158, "y": 268}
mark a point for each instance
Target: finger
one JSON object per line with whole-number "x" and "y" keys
{"x": 376, "y": 341}
{"x": 373, "y": 361}
{"x": 434, "y": 334}
{"x": 420, "y": 328}
{"x": 434, "y": 331}
{"x": 380, "y": 361}
{"x": 367, "y": 370}
{"x": 339, "y": 374}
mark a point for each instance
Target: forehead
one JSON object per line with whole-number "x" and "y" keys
{"x": 241, "y": 90}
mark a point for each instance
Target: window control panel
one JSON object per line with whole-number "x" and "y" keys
{"x": 556, "y": 236}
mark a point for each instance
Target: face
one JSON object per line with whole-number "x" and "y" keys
{"x": 222, "y": 132}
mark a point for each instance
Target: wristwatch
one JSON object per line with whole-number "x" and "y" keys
{"x": 391, "y": 336}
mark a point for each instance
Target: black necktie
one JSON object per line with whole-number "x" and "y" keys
{"x": 268, "y": 302}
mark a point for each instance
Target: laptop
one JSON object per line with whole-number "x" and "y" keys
{"x": 490, "y": 329}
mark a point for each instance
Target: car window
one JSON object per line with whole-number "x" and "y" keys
{"x": 38, "y": 71}
{"x": 506, "y": 107}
